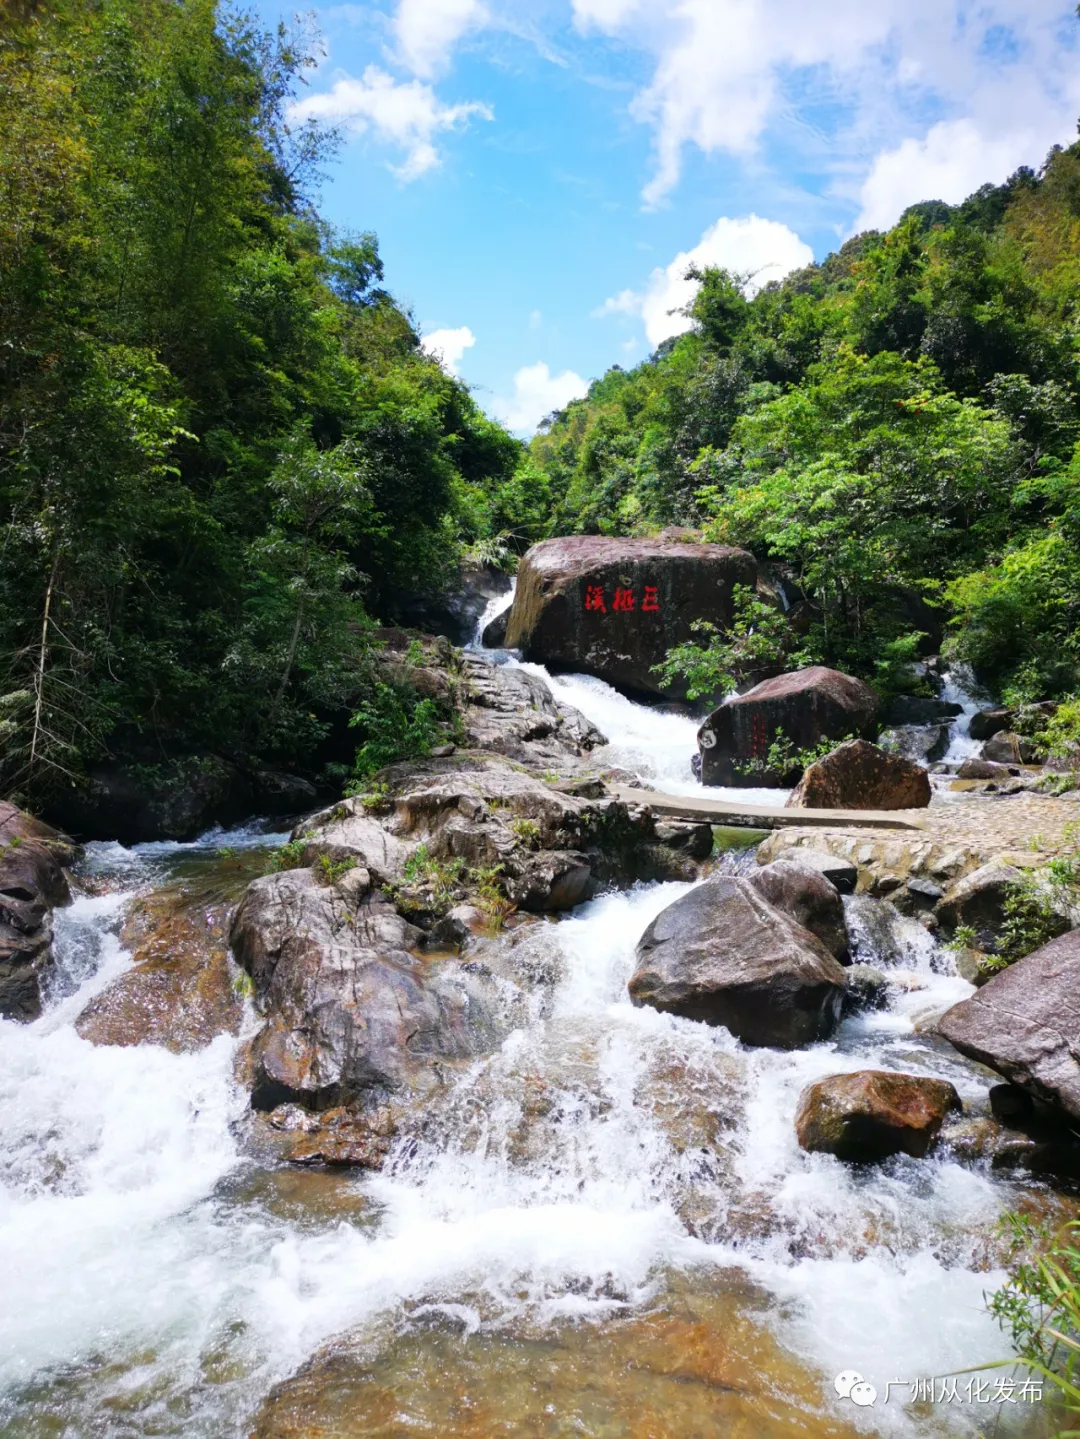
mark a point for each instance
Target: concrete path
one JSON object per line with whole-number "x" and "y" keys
{"x": 760, "y": 816}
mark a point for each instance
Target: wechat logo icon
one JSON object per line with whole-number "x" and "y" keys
{"x": 849, "y": 1384}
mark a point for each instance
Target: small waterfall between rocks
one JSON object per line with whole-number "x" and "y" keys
{"x": 604, "y": 1228}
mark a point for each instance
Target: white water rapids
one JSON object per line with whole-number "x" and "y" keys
{"x": 156, "y": 1281}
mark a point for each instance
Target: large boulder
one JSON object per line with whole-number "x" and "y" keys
{"x": 987, "y": 723}
{"x": 804, "y": 707}
{"x": 801, "y": 891}
{"x": 33, "y": 861}
{"x": 351, "y": 1010}
{"x": 916, "y": 710}
{"x": 978, "y": 902}
{"x": 1007, "y": 748}
{"x": 922, "y": 743}
{"x": 873, "y": 1114}
{"x": 859, "y": 775}
{"x": 725, "y": 955}
{"x": 615, "y": 607}
{"x": 1025, "y": 1024}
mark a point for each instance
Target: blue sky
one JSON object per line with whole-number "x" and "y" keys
{"x": 540, "y": 172}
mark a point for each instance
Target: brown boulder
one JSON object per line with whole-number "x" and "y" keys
{"x": 859, "y": 775}
{"x": 873, "y": 1114}
{"x": 805, "y": 707}
{"x": 615, "y": 607}
{"x": 179, "y": 991}
{"x": 725, "y": 955}
{"x": 1007, "y": 748}
{"x": 803, "y": 892}
{"x": 33, "y": 858}
{"x": 987, "y": 723}
{"x": 1025, "y": 1024}
{"x": 982, "y": 769}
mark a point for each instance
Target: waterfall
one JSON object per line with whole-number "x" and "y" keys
{"x": 603, "y": 1157}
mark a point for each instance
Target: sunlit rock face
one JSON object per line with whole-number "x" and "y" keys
{"x": 615, "y": 607}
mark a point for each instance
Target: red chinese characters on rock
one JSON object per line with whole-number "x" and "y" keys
{"x": 624, "y": 601}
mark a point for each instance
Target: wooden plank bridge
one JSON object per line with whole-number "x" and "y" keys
{"x": 761, "y": 816}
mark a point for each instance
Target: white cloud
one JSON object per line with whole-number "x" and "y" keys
{"x": 428, "y": 30}
{"x": 763, "y": 249}
{"x": 405, "y": 114}
{"x": 949, "y": 163}
{"x": 725, "y": 71}
{"x": 537, "y": 392}
{"x": 448, "y": 346}
{"x": 536, "y": 319}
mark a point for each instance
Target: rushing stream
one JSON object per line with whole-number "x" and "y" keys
{"x": 606, "y": 1228}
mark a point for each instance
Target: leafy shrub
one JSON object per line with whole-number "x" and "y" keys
{"x": 759, "y": 642}
{"x": 1039, "y": 1304}
{"x": 395, "y": 724}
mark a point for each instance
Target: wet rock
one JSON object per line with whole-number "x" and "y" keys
{"x": 922, "y": 743}
{"x": 978, "y": 902}
{"x": 344, "y": 1138}
{"x": 551, "y": 881}
{"x": 982, "y": 769}
{"x": 350, "y": 1008}
{"x": 494, "y": 636}
{"x": 179, "y": 991}
{"x": 724, "y": 955}
{"x": 34, "y": 858}
{"x": 347, "y": 831}
{"x": 803, "y": 892}
{"x": 1011, "y": 1105}
{"x": 989, "y": 722}
{"x": 915, "y": 710}
{"x": 873, "y": 1114}
{"x": 511, "y": 712}
{"x": 459, "y": 925}
{"x": 454, "y": 609}
{"x": 1025, "y": 1024}
{"x": 859, "y": 775}
{"x": 277, "y": 793}
{"x": 805, "y": 707}
{"x": 867, "y": 988}
{"x": 695, "y": 840}
{"x": 1006, "y": 749}
{"x": 615, "y": 607}
{"x": 841, "y": 872}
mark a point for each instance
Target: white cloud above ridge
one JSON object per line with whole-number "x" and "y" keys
{"x": 405, "y": 114}
{"x": 949, "y": 163}
{"x": 725, "y": 71}
{"x": 537, "y": 393}
{"x": 763, "y": 249}
{"x": 448, "y": 347}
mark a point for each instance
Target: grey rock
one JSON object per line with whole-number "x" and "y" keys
{"x": 724, "y": 955}
{"x": 1025, "y": 1024}
{"x": 915, "y": 710}
{"x": 803, "y": 892}
{"x": 840, "y": 872}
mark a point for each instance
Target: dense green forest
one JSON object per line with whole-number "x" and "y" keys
{"x": 222, "y": 451}
{"x": 224, "y": 456}
{"x": 894, "y": 426}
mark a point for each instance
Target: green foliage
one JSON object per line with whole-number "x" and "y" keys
{"x": 1037, "y": 905}
{"x": 289, "y": 856}
{"x": 329, "y": 871}
{"x": 1038, "y": 1306}
{"x": 527, "y": 832}
{"x": 893, "y": 428}
{"x": 759, "y": 642}
{"x": 394, "y": 724}
{"x": 784, "y": 762}
{"x": 221, "y": 446}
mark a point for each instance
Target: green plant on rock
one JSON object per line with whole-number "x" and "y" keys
{"x": 1038, "y": 1306}
{"x": 289, "y": 856}
{"x": 1036, "y": 906}
{"x": 527, "y": 832}
{"x": 785, "y": 760}
{"x": 491, "y": 896}
{"x": 395, "y": 724}
{"x": 760, "y": 641}
{"x": 328, "y": 871}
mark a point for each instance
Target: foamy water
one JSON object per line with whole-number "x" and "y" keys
{"x": 147, "y": 1275}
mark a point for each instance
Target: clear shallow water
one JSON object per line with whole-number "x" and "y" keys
{"x": 614, "y": 1191}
